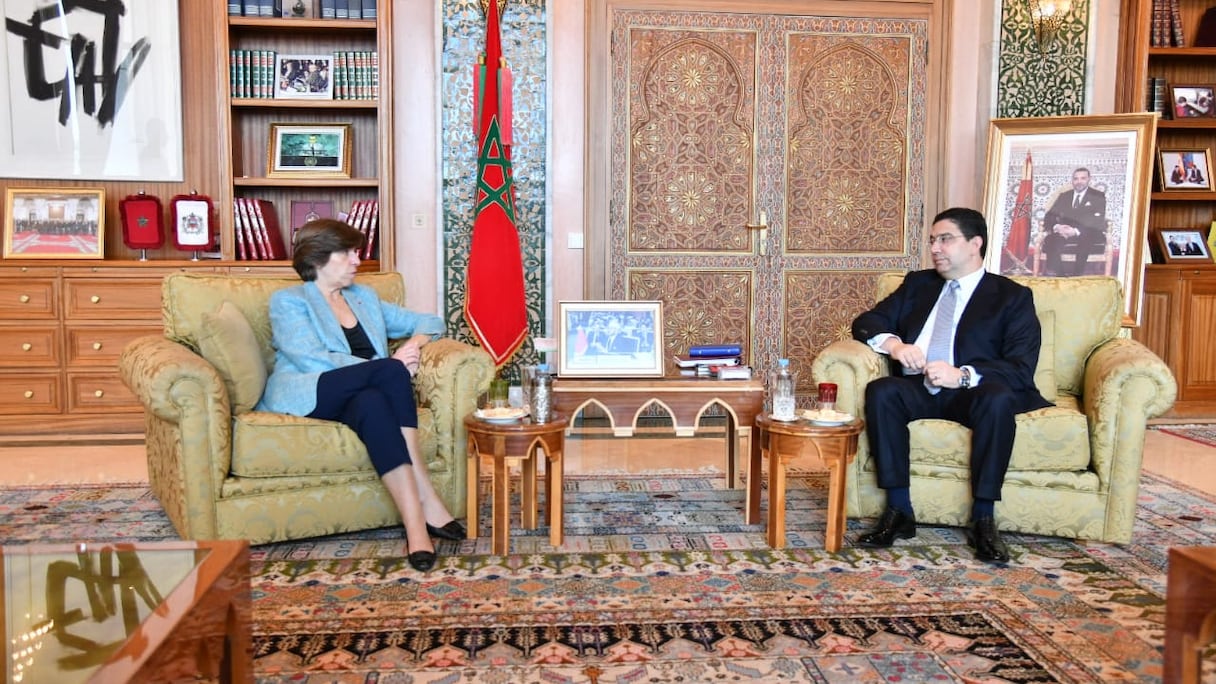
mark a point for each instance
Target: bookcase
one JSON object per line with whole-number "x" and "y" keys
{"x": 249, "y": 125}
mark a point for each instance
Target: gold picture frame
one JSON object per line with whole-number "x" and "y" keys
{"x": 309, "y": 150}
{"x": 1032, "y": 167}
{"x": 54, "y": 223}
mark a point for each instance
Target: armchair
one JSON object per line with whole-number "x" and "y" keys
{"x": 224, "y": 471}
{"x": 1075, "y": 470}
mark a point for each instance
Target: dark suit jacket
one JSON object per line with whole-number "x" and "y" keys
{"x": 1089, "y": 218}
{"x": 998, "y": 334}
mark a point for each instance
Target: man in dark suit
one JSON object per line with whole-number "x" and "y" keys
{"x": 1075, "y": 224}
{"x": 976, "y": 367}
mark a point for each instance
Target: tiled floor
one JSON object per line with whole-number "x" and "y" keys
{"x": 115, "y": 458}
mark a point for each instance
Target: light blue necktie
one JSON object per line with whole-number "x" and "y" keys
{"x": 943, "y": 329}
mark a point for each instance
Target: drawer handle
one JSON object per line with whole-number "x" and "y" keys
{"x": 99, "y": 393}
{"x": 95, "y": 299}
{"x": 96, "y": 346}
{"x": 29, "y": 394}
{"x": 24, "y": 299}
{"x": 26, "y": 346}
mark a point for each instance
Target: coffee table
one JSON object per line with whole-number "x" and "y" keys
{"x": 517, "y": 443}
{"x": 780, "y": 442}
{"x": 123, "y": 612}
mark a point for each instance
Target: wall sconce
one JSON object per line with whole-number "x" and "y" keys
{"x": 1047, "y": 17}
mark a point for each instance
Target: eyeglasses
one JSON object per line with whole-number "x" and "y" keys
{"x": 943, "y": 239}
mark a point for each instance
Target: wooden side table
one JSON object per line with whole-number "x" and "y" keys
{"x": 780, "y": 442}
{"x": 684, "y": 398}
{"x": 1190, "y": 611}
{"x": 510, "y": 444}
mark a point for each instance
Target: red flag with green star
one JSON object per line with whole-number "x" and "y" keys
{"x": 495, "y": 305}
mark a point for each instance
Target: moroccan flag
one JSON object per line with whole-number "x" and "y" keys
{"x": 1018, "y": 243}
{"x": 495, "y": 304}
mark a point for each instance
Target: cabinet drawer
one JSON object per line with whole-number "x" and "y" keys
{"x": 98, "y": 346}
{"x": 29, "y": 347}
{"x": 93, "y": 298}
{"x": 94, "y": 392}
{"x": 29, "y": 393}
{"x": 28, "y": 299}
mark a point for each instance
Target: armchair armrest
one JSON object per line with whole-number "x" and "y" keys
{"x": 189, "y": 429}
{"x": 851, "y": 365}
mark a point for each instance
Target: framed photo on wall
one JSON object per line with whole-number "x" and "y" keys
{"x": 1182, "y": 245}
{"x": 1185, "y": 169}
{"x": 54, "y": 223}
{"x": 1068, "y": 196}
{"x": 1192, "y": 101}
{"x": 610, "y": 339}
{"x": 309, "y": 151}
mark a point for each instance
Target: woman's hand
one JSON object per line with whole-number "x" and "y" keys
{"x": 410, "y": 354}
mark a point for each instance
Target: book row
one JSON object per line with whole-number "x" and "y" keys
{"x": 342, "y": 75}
{"x": 1167, "y": 25}
{"x": 304, "y": 9}
{"x": 259, "y": 237}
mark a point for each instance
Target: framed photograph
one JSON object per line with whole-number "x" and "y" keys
{"x": 1068, "y": 196}
{"x": 119, "y": 116}
{"x": 300, "y": 9}
{"x": 1185, "y": 169}
{"x": 54, "y": 223}
{"x": 1183, "y": 245}
{"x": 610, "y": 339}
{"x": 1191, "y": 101}
{"x": 309, "y": 151}
{"x": 304, "y": 77}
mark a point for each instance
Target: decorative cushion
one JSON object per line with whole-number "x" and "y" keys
{"x": 226, "y": 340}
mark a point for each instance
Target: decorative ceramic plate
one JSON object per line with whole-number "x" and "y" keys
{"x": 827, "y": 418}
{"x": 500, "y": 415}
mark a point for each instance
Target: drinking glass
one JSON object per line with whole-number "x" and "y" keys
{"x": 827, "y": 396}
{"x": 499, "y": 393}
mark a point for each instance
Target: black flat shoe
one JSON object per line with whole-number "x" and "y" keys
{"x": 894, "y": 524}
{"x": 453, "y": 531}
{"x": 422, "y": 561}
{"x": 987, "y": 542}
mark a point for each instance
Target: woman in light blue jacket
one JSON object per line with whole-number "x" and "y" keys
{"x": 332, "y": 362}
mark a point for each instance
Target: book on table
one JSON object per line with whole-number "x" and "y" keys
{"x": 715, "y": 350}
{"x": 684, "y": 361}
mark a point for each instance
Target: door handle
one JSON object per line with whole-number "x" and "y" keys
{"x": 761, "y": 225}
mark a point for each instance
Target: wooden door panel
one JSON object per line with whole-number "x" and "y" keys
{"x": 698, "y": 306}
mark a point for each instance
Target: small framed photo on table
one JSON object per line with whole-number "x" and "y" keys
{"x": 54, "y": 223}
{"x": 309, "y": 151}
{"x": 304, "y": 77}
{"x": 610, "y": 339}
{"x": 1185, "y": 169}
{"x": 1192, "y": 101}
{"x": 1182, "y": 245}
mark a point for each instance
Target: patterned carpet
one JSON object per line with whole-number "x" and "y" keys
{"x": 1203, "y": 433}
{"x": 660, "y": 581}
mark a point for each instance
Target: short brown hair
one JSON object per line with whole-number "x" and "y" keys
{"x": 317, "y": 240}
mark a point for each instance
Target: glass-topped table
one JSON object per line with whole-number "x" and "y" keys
{"x": 119, "y": 612}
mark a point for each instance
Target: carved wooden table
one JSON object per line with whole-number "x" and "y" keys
{"x": 509, "y": 444}
{"x": 780, "y": 442}
{"x": 1190, "y": 611}
{"x": 686, "y": 399}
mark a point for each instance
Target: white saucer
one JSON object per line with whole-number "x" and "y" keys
{"x": 827, "y": 419}
{"x": 792, "y": 419}
{"x": 511, "y": 417}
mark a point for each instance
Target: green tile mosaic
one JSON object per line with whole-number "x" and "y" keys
{"x": 1049, "y": 82}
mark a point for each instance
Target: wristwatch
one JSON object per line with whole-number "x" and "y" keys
{"x": 964, "y": 380}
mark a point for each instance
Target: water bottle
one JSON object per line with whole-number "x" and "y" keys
{"x": 542, "y": 395}
{"x": 781, "y": 387}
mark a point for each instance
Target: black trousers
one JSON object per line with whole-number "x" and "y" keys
{"x": 988, "y": 410}
{"x": 376, "y": 400}
{"x": 1055, "y": 246}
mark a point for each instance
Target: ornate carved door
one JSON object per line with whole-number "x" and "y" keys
{"x": 761, "y": 168}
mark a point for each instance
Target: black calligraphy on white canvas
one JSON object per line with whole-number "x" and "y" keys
{"x": 93, "y": 90}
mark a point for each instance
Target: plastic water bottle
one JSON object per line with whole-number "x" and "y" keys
{"x": 542, "y": 395}
{"x": 781, "y": 388}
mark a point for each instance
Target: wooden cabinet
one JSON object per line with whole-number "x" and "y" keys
{"x": 248, "y": 122}
{"x": 1177, "y": 321}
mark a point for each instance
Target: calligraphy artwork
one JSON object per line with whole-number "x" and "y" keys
{"x": 94, "y": 90}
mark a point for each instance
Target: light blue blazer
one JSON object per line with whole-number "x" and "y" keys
{"x": 308, "y": 340}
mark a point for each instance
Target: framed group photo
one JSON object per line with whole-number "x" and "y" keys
{"x": 1192, "y": 101}
{"x": 304, "y": 77}
{"x": 1182, "y": 244}
{"x": 610, "y": 339}
{"x": 54, "y": 223}
{"x": 1068, "y": 196}
{"x": 1185, "y": 169}
{"x": 309, "y": 151}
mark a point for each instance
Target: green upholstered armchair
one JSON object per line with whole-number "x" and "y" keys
{"x": 225, "y": 471}
{"x": 1075, "y": 470}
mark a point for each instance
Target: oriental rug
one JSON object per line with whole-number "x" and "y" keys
{"x": 660, "y": 581}
{"x": 1202, "y": 433}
